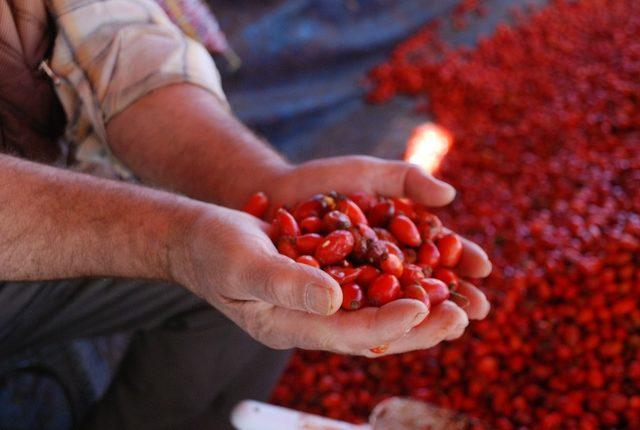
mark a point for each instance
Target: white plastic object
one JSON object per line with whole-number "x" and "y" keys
{"x": 253, "y": 415}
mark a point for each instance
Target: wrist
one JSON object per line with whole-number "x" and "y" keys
{"x": 174, "y": 253}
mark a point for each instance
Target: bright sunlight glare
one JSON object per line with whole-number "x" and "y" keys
{"x": 427, "y": 146}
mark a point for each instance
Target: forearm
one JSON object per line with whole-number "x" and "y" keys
{"x": 181, "y": 137}
{"x": 59, "y": 224}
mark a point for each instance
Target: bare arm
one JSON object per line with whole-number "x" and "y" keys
{"x": 183, "y": 138}
{"x": 58, "y": 224}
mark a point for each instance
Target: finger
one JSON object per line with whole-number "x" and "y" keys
{"x": 478, "y": 306}
{"x": 426, "y": 189}
{"x": 278, "y": 280}
{"x": 446, "y": 322}
{"x": 474, "y": 262}
{"x": 398, "y": 178}
{"x": 349, "y": 332}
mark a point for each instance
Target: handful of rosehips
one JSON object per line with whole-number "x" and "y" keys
{"x": 378, "y": 249}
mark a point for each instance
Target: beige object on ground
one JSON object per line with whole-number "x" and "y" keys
{"x": 405, "y": 414}
{"x": 392, "y": 414}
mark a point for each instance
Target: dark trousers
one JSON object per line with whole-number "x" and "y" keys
{"x": 186, "y": 366}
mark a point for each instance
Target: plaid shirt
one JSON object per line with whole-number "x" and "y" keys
{"x": 106, "y": 55}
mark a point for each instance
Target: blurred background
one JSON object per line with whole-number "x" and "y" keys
{"x": 542, "y": 154}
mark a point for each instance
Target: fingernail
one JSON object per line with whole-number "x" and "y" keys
{"x": 449, "y": 189}
{"x": 318, "y": 299}
{"x": 420, "y": 316}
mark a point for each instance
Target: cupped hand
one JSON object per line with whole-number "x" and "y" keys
{"x": 229, "y": 261}
{"x": 398, "y": 179}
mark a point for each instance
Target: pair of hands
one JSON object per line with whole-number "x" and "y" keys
{"x": 228, "y": 259}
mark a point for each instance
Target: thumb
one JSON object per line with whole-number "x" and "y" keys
{"x": 283, "y": 282}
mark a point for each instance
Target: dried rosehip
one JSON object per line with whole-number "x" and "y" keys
{"x": 363, "y": 236}
{"x": 376, "y": 251}
{"x": 335, "y": 220}
{"x": 381, "y": 213}
{"x": 447, "y": 276}
{"x": 384, "y": 234}
{"x": 392, "y": 248}
{"x": 336, "y": 247}
{"x": 410, "y": 255}
{"x": 429, "y": 225}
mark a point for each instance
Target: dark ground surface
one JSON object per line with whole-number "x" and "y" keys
{"x": 300, "y": 86}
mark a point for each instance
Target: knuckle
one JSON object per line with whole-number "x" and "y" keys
{"x": 262, "y": 329}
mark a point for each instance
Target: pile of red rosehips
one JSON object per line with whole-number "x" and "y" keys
{"x": 545, "y": 117}
{"x": 378, "y": 249}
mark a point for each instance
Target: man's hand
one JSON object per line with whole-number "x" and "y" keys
{"x": 187, "y": 141}
{"x": 231, "y": 262}
{"x": 395, "y": 178}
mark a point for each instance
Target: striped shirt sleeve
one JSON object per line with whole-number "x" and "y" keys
{"x": 110, "y": 53}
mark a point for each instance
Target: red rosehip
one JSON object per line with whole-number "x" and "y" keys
{"x": 352, "y": 297}
{"x": 365, "y": 201}
{"x": 285, "y": 224}
{"x": 311, "y": 224}
{"x": 257, "y": 205}
{"x": 416, "y": 292}
{"x": 367, "y": 275}
{"x": 429, "y": 254}
{"x": 405, "y": 231}
{"x": 411, "y": 274}
{"x": 307, "y": 243}
{"x": 391, "y": 264}
{"x": 436, "y": 289}
{"x": 343, "y": 275}
{"x": 405, "y": 206}
{"x": 384, "y": 289}
{"x": 349, "y": 208}
{"x": 450, "y": 247}
{"x": 287, "y": 246}
{"x": 308, "y": 260}
{"x": 314, "y": 207}
{"x": 336, "y": 247}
